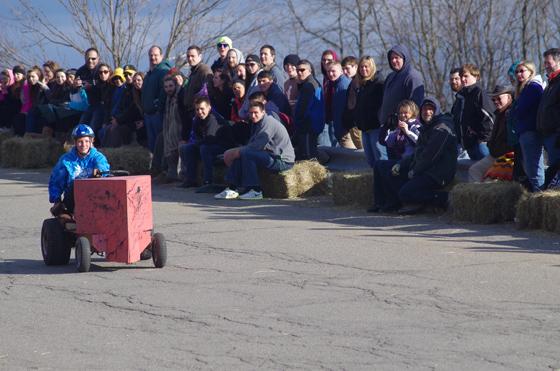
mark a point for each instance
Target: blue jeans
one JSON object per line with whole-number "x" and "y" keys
{"x": 93, "y": 117}
{"x": 190, "y": 155}
{"x": 478, "y": 151}
{"x": 385, "y": 185}
{"x": 306, "y": 145}
{"x": 154, "y": 126}
{"x": 32, "y": 122}
{"x": 243, "y": 172}
{"x": 373, "y": 150}
{"x": 327, "y": 137}
{"x": 423, "y": 190}
{"x": 531, "y": 144}
{"x": 551, "y": 149}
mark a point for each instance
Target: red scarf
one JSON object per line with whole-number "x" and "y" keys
{"x": 553, "y": 75}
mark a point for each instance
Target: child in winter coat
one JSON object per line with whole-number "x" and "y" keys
{"x": 400, "y": 139}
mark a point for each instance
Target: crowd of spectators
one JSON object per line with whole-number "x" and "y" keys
{"x": 253, "y": 111}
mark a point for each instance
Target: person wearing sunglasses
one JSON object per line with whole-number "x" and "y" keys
{"x": 88, "y": 71}
{"x": 309, "y": 113}
{"x": 88, "y": 75}
{"x": 223, "y": 44}
{"x": 97, "y": 95}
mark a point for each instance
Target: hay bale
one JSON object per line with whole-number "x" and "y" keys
{"x": 353, "y": 188}
{"x": 540, "y": 211}
{"x": 30, "y": 153}
{"x": 306, "y": 178}
{"x": 7, "y": 134}
{"x": 485, "y": 203}
{"x": 134, "y": 159}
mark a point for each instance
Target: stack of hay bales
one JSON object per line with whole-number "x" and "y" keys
{"x": 353, "y": 188}
{"x": 486, "y": 203}
{"x": 30, "y": 153}
{"x": 134, "y": 159}
{"x": 540, "y": 211}
{"x": 306, "y": 178}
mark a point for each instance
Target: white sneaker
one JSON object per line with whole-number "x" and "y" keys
{"x": 227, "y": 194}
{"x": 251, "y": 195}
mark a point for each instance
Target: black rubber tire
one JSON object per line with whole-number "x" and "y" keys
{"x": 159, "y": 250}
{"x": 83, "y": 254}
{"x": 54, "y": 248}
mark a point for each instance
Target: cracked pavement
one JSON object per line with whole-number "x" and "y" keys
{"x": 280, "y": 285}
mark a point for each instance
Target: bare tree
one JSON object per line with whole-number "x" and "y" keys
{"x": 118, "y": 28}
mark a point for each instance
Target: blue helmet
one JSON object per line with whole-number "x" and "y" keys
{"x": 82, "y": 130}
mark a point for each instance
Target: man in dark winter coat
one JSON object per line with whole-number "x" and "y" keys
{"x": 153, "y": 96}
{"x": 405, "y": 82}
{"x": 498, "y": 145}
{"x": 268, "y": 59}
{"x": 209, "y": 138}
{"x": 548, "y": 114}
{"x": 273, "y": 92}
{"x": 456, "y": 85}
{"x": 476, "y": 118}
{"x": 336, "y": 93}
{"x": 199, "y": 81}
{"x": 417, "y": 181}
{"x": 309, "y": 112}
{"x": 88, "y": 74}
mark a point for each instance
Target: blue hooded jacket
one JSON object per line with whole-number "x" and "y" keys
{"x": 71, "y": 166}
{"x": 407, "y": 83}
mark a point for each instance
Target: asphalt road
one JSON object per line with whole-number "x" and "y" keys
{"x": 280, "y": 285}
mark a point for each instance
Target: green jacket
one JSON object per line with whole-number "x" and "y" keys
{"x": 153, "y": 96}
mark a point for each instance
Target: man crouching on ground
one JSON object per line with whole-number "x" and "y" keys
{"x": 269, "y": 147}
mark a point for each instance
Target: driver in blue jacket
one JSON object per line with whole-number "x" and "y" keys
{"x": 82, "y": 161}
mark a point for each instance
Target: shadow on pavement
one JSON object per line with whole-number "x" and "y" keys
{"x": 482, "y": 238}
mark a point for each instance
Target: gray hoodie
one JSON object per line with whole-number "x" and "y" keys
{"x": 407, "y": 83}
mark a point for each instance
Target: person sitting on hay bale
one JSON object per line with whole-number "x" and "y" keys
{"x": 418, "y": 181}
{"x": 82, "y": 161}
{"x": 210, "y": 137}
{"x": 269, "y": 147}
{"x": 502, "y": 96}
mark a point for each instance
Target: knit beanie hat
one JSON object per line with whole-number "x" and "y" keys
{"x": 225, "y": 40}
{"x": 292, "y": 59}
{"x": 253, "y": 58}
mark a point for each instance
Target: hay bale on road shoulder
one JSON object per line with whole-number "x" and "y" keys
{"x": 4, "y": 135}
{"x": 30, "y": 153}
{"x": 353, "y": 188}
{"x": 134, "y": 159}
{"x": 306, "y": 178}
{"x": 540, "y": 211}
{"x": 485, "y": 203}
